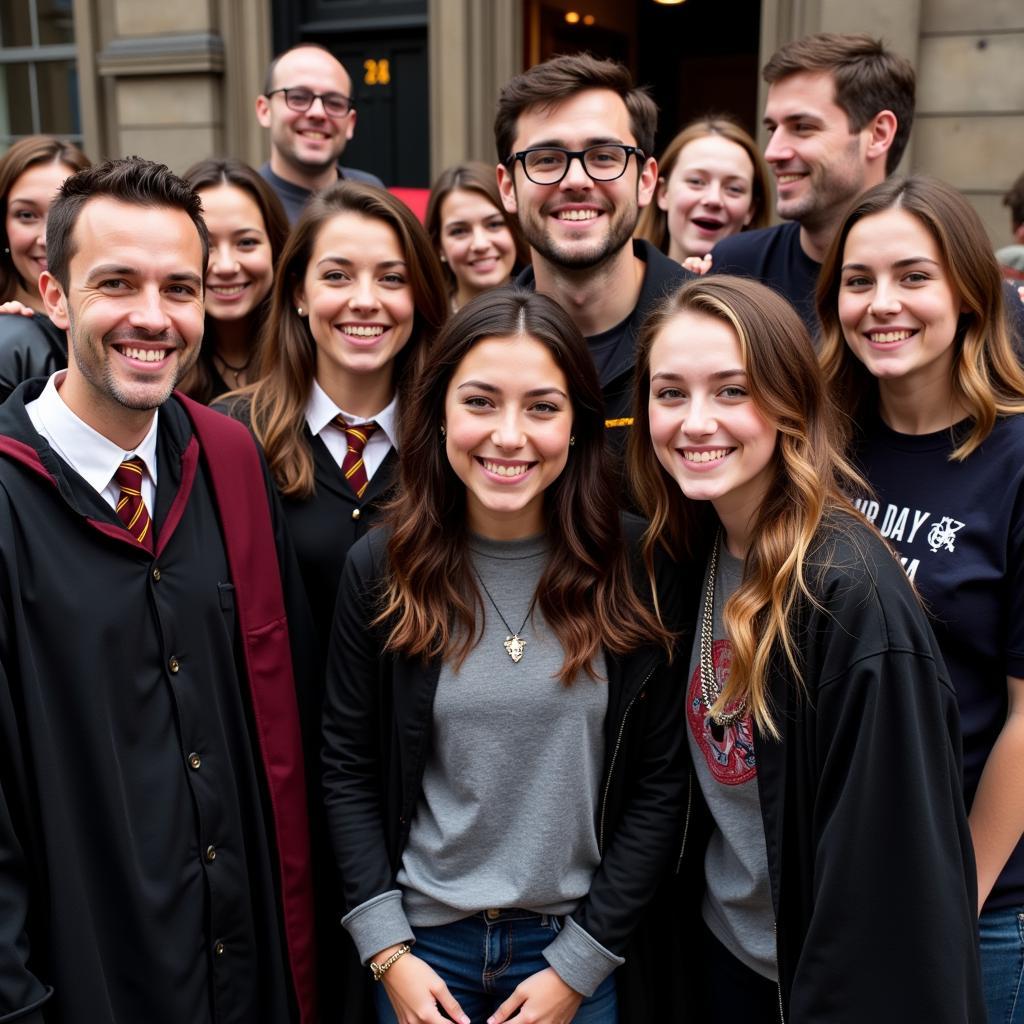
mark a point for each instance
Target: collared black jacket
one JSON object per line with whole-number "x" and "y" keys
{"x": 137, "y": 868}
{"x": 325, "y": 525}
{"x": 29, "y": 347}
{"x": 869, "y": 851}
{"x": 378, "y": 714}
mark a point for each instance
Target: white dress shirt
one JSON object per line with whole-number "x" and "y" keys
{"x": 92, "y": 456}
{"x": 320, "y": 413}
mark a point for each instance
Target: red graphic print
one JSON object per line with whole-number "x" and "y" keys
{"x": 728, "y": 749}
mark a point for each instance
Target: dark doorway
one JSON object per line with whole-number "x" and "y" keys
{"x": 700, "y": 57}
{"x": 696, "y": 57}
{"x": 383, "y": 45}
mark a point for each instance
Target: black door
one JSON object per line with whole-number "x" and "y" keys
{"x": 383, "y": 45}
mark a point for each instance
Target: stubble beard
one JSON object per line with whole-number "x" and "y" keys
{"x": 93, "y": 361}
{"x": 289, "y": 154}
{"x": 833, "y": 188}
{"x": 621, "y": 226}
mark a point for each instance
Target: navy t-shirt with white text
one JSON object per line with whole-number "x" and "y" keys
{"x": 958, "y": 528}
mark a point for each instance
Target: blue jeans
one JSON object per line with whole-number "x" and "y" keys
{"x": 483, "y": 958}
{"x": 1002, "y": 964}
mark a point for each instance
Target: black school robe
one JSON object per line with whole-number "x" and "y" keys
{"x": 324, "y": 526}
{"x": 137, "y": 878}
{"x": 321, "y": 529}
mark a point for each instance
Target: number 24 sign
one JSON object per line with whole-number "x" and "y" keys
{"x": 377, "y": 72}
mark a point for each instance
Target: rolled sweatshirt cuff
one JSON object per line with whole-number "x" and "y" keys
{"x": 378, "y": 923}
{"x": 579, "y": 959}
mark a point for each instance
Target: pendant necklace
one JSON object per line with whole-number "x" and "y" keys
{"x": 237, "y": 371}
{"x": 515, "y": 645}
{"x": 709, "y": 688}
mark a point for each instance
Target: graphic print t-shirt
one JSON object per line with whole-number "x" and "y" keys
{"x": 958, "y": 528}
{"x": 737, "y": 904}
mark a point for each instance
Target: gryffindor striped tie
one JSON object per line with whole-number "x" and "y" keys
{"x": 131, "y": 509}
{"x": 353, "y": 468}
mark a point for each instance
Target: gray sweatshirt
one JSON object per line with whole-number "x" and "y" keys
{"x": 507, "y": 816}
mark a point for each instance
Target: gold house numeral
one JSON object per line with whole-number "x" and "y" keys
{"x": 377, "y": 72}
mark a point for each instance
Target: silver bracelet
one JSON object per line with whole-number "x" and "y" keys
{"x": 379, "y": 970}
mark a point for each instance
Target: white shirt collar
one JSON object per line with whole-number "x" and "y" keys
{"x": 321, "y": 410}
{"x": 94, "y": 457}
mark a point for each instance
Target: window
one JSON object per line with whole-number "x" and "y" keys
{"x": 38, "y": 74}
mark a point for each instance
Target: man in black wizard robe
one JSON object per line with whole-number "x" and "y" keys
{"x": 154, "y": 851}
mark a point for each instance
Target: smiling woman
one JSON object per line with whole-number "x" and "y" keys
{"x": 31, "y": 171}
{"x": 813, "y": 657}
{"x": 916, "y": 347}
{"x": 713, "y": 183}
{"x": 480, "y": 245}
{"x": 248, "y": 228}
{"x": 357, "y": 299}
{"x": 496, "y": 625}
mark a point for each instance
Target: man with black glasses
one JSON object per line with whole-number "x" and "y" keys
{"x": 574, "y": 137}
{"x": 307, "y": 105}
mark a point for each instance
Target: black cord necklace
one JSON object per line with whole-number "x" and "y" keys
{"x": 236, "y": 370}
{"x": 515, "y": 645}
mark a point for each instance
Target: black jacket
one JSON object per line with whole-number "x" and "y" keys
{"x": 378, "y": 714}
{"x": 869, "y": 852}
{"x": 29, "y": 348}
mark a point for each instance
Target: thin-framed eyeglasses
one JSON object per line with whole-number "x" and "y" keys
{"x": 335, "y": 104}
{"x": 548, "y": 165}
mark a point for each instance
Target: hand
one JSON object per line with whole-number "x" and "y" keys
{"x": 698, "y": 264}
{"x": 14, "y": 306}
{"x": 542, "y": 999}
{"x": 415, "y": 990}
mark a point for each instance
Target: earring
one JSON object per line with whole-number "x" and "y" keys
{"x": 572, "y": 440}
{"x": 300, "y": 311}
{"x": 7, "y": 250}
{"x": 444, "y": 259}
{"x": 444, "y": 433}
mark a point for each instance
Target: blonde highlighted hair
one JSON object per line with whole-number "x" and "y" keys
{"x": 987, "y": 378}
{"x": 809, "y": 477}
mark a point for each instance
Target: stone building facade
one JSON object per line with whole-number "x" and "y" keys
{"x": 176, "y": 81}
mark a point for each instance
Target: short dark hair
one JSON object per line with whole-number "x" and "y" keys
{"x": 557, "y": 79}
{"x": 268, "y": 80}
{"x": 868, "y": 79}
{"x": 129, "y": 180}
{"x": 1014, "y": 199}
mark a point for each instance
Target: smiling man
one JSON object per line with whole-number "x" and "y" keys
{"x": 154, "y": 851}
{"x": 574, "y": 137}
{"x": 839, "y": 113}
{"x": 307, "y": 104}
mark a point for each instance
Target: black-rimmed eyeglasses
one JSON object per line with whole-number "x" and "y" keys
{"x": 335, "y": 104}
{"x": 548, "y": 165}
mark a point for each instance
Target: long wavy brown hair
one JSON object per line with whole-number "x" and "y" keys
{"x": 203, "y": 381}
{"x": 432, "y": 603}
{"x": 809, "y": 477}
{"x": 653, "y": 222}
{"x": 26, "y": 153}
{"x": 987, "y": 378}
{"x": 286, "y": 356}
